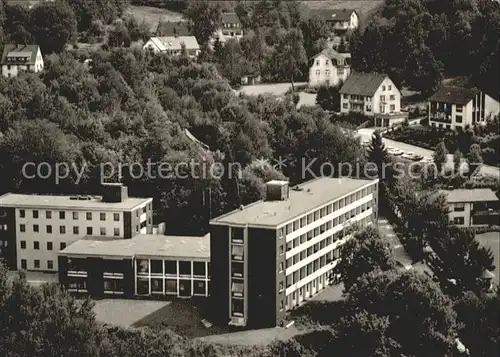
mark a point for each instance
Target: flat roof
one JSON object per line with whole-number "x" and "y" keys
{"x": 313, "y": 194}
{"x": 470, "y": 195}
{"x": 142, "y": 245}
{"x": 65, "y": 202}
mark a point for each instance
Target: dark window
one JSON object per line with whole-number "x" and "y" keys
{"x": 89, "y": 230}
{"x": 22, "y": 214}
{"x": 75, "y": 215}
{"x": 62, "y": 229}
{"x": 35, "y": 214}
{"x": 89, "y": 216}
{"x": 35, "y": 228}
{"x": 76, "y": 230}
{"x": 171, "y": 267}
{"x": 103, "y": 231}
{"x": 62, "y": 215}
{"x": 22, "y": 228}
{"x": 37, "y": 263}
{"x": 102, "y": 216}
{"x": 48, "y": 214}
{"x": 184, "y": 268}
{"x": 156, "y": 267}
{"x": 24, "y": 264}
{"x": 62, "y": 245}
{"x": 50, "y": 264}
{"x": 36, "y": 245}
{"x": 49, "y": 245}
{"x": 199, "y": 268}
{"x": 116, "y": 217}
{"x": 23, "y": 244}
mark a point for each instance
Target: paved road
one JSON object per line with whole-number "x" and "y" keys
{"x": 398, "y": 250}
{"x": 366, "y": 134}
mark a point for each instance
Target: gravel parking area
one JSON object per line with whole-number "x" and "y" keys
{"x": 125, "y": 313}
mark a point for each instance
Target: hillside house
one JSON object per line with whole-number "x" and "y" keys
{"x": 340, "y": 20}
{"x": 173, "y": 45}
{"x": 457, "y": 107}
{"x": 16, "y": 58}
{"x": 329, "y": 68}
{"x": 373, "y": 94}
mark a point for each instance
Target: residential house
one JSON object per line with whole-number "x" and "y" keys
{"x": 458, "y": 107}
{"x": 231, "y": 26}
{"x": 373, "y": 94}
{"x": 473, "y": 207}
{"x": 173, "y": 45}
{"x": 17, "y": 58}
{"x": 329, "y": 68}
{"x": 340, "y": 20}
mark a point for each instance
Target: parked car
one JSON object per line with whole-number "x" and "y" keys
{"x": 394, "y": 152}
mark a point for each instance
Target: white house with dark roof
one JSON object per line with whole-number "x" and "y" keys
{"x": 16, "y": 58}
{"x": 329, "y": 68}
{"x": 231, "y": 26}
{"x": 472, "y": 207}
{"x": 457, "y": 107}
{"x": 340, "y": 20}
{"x": 173, "y": 45}
{"x": 373, "y": 94}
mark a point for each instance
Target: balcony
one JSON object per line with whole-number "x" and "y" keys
{"x": 440, "y": 117}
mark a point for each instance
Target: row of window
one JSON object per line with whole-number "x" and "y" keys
{"x": 171, "y": 286}
{"x": 171, "y": 267}
{"x": 36, "y": 245}
{"x": 62, "y": 215}
{"x": 36, "y": 264}
{"x": 326, "y": 210}
{"x": 327, "y": 226}
{"x": 312, "y": 267}
{"x": 76, "y": 230}
{"x": 337, "y": 62}
{"x": 304, "y": 254}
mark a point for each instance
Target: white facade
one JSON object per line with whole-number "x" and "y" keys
{"x": 173, "y": 45}
{"x": 385, "y": 100}
{"x": 38, "y": 240}
{"x": 325, "y": 71}
{"x": 455, "y": 116}
{"x": 12, "y": 70}
{"x": 313, "y": 250}
{"x": 352, "y": 24}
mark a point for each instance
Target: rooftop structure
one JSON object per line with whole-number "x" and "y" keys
{"x": 470, "y": 195}
{"x": 303, "y": 198}
{"x": 454, "y": 95}
{"x": 142, "y": 245}
{"x": 365, "y": 84}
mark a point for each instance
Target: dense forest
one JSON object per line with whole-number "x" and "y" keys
{"x": 420, "y": 42}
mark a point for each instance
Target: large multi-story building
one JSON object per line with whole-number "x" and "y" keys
{"x": 329, "y": 68}
{"x": 144, "y": 265}
{"x": 458, "y": 107}
{"x": 36, "y": 227}
{"x": 473, "y": 207}
{"x": 270, "y": 256}
{"x": 373, "y": 94}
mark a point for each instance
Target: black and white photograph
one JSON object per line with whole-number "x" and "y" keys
{"x": 237, "y": 178}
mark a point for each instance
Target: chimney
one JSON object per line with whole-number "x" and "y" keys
{"x": 114, "y": 192}
{"x": 277, "y": 190}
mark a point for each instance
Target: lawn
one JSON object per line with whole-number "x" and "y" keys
{"x": 125, "y": 313}
{"x": 492, "y": 240}
{"x": 152, "y": 15}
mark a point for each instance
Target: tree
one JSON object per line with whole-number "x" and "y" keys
{"x": 457, "y": 160}
{"x": 377, "y": 154}
{"x": 479, "y": 328}
{"x": 289, "y": 348}
{"x": 474, "y": 158}
{"x": 367, "y": 251}
{"x": 342, "y": 46}
{"x": 291, "y": 56}
{"x": 405, "y": 299}
{"x": 424, "y": 72}
{"x": 328, "y": 97}
{"x": 440, "y": 156}
{"x": 53, "y": 25}
{"x": 204, "y": 19}
{"x": 119, "y": 35}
